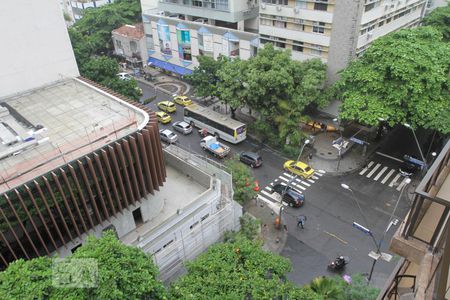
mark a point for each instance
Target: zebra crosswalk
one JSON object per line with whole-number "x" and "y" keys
{"x": 384, "y": 175}
{"x": 273, "y": 200}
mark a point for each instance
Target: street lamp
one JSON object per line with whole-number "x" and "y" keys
{"x": 418, "y": 145}
{"x": 391, "y": 222}
{"x": 336, "y": 120}
{"x": 306, "y": 142}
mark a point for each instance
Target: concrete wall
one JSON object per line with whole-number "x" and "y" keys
{"x": 344, "y": 33}
{"x": 35, "y": 49}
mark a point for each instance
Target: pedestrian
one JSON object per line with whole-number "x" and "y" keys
{"x": 301, "y": 221}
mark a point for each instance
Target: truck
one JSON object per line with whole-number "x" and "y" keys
{"x": 210, "y": 144}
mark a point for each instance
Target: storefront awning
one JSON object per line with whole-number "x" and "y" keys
{"x": 168, "y": 66}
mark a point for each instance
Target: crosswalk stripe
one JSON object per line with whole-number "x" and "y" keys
{"x": 305, "y": 183}
{"x": 322, "y": 171}
{"x": 268, "y": 188}
{"x": 312, "y": 181}
{"x": 292, "y": 182}
{"x": 387, "y": 176}
{"x": 266, "y": 194}
{"x": 314, "y": 177}
{"x": 394, "y": 180}
{"x": 288, "y": 175}
{"x": 366, "y": 168}
{"x": 380, "y": 173}
{"x": 400, "y": 186}
{"x": 373, "y": 170}
{"x": 282, "y": 178}
{"x": 299, "y": 186}
{"x": 318, "y": 174}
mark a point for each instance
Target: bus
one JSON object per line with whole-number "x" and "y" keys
{"x": 221, "y": 126}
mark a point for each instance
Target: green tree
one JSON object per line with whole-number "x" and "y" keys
{"x": 439, "y": 18}
{"x": 242, "y": 180}
{"x": 103, "y": 70}
{"x": 204, "y": 78}
{"x": 402, "y": 78}
{"x": 30, "y": 279}
{"x": 240, "y": 270}
{"x": 124, "y": 272}
{"x": 327, "y": 288}
{"x": 358, "y": 289}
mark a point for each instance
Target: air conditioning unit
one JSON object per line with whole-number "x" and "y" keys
{"x": 279, "y": 7}
{"x": 263, "y": 5}
{"x": 296, "y": 9}
{"x": 369, "y": 35}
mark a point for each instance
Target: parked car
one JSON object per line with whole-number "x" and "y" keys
{"x": 182, "y": 100}
{"x": 290, "y": 195}
{"x": 252, "y": 159}
{"x": 124, "y": 76}
{"x": 299, "y": 168}
{"x": 182, "y": 126}
{"x": 168, "y": 136}
{"x": 167, "y": 106}
{"x": 163, "y": 117}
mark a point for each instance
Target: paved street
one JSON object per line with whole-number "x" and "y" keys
{"x": 330, "y": 209}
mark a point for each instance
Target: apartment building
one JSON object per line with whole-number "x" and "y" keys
{"x": 74, "y": 9}
{"x": 333, "y": 31}
{"x": 422, "y": 241}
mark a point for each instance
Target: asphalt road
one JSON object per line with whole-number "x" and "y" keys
{"x": 330, "y": 210}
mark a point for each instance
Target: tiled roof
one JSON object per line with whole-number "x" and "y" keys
{"x": 135, "y": 31}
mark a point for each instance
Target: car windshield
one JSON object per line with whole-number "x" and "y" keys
{"x": 307, "y": 169}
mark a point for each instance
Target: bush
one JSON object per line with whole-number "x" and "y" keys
{"x": 242, "y": 180}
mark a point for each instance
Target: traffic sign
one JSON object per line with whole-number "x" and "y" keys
{"x": 361, "y": 228}
{"x": 414, "y": 160}
{"x": 357, "y": 141}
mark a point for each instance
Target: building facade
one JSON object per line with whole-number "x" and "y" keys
{"x": 129, "y": 44}
{"x": 423, "y": 239}
{"x": 334, "y": 31}
{"x": 174, "y": 44}
{"x": 74, "y": 9}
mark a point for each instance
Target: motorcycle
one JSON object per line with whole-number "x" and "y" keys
{"x": 338, "y": 264}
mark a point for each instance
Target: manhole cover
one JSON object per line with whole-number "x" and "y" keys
{"x": 329, "y": 153}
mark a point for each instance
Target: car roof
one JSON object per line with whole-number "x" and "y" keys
{"x": 166, "y": 131}
{"x": 166, "y": 102}
{"x": 301, "y": 164}
{"x": 182, "y": 97}
{"x": 183, "y": 123}
{"x": 161, "y": 113}
{"x": 251, "y": 154}
{"x": 122, "y": 73}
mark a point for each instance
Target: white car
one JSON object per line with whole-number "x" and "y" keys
{"x": 124, "y": 76}
{"x": 168, "y": 136}
{"x": 182, "y": 126}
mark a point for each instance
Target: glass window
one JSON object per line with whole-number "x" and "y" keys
{"x": 318, "y": 27}
{"x": 301, "y": 4}
{"x": 297, "y": 48}
{"x": 320, "y": 6}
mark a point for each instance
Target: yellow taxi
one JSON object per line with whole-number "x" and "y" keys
{"x": 167, "y": 106}
{"x": 299, "y": 168}
{"x": 163, "y": 117}
{"x": 182, "y": 100}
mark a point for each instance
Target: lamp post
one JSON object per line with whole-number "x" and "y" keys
{"x": 391, "y": 222}
{"x": 338, "y": 122}
{"x": 289, "y": 182}
{"x": 418, "y": 145}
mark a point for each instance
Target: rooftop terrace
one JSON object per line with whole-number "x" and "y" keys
{"x": 45, "y": 128}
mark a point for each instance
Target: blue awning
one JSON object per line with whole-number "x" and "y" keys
{"x": 168, "y": 66}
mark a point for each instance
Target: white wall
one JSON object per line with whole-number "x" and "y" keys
{"x": 35, "y": 48}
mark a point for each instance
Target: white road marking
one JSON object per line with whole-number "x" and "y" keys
{"x": 394, "y": 180}
{"x": 265, "y": 199}
{"x": 387, "y": 176}
{"x": 373, "y": 170}
{"x": 400, "y": 186}
{"x": 305, "y": 183}
{"x": 288, "y": 175}
{"x": 366, "y": 168}
{"x": 268, "y": 188}
{"x": 312, "y": 181}
{"x": 274, "y": 196}
{"x": 318, "y": 174}
{"x": 282, "y": 178}
{"x": 380, "y": 173}
{"x": 322, "y": 171}
{"x": 314, "y": 177}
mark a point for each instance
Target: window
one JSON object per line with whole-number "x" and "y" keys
{"x": 321, "y": 6}
{"x": 369, "y": 7}
{"x": 301, "y": 4}
{"x": 316, "y": 50}
{"x": 280, "y": 24}
{"x": 318, "y": 27}
{"x": 133, "y": 46}
{"x": 137, "y": 216}
{"x": 280, "y": 45}
{"x": 197, "y": 3}
{"x": 204, "y": 217}
{"x": 119, "y": 44}
{"x": 297, "y": 48}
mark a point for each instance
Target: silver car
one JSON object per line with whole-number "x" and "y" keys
{"x": 168, "y": 136}
{"x": 182, "y": 126}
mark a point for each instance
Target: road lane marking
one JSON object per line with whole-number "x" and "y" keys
{"x": 380, "y": 173}
{"x": 314, "y": 177}
{"x": 318, "y": 174}
{"x": 266, "y": 194}
{"x": 387, "y": 176}
{"x": 394, "y": 180}
{"x": 366, "y": 168}
{"x": 312, "y": 181}
{"x": 373, "y": 170}
{"x": 322, "y": 171}
{"x": 336, "y": 237}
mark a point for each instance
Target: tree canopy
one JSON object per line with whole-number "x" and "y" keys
{"x": 401, "y": 78}
{"x": 242, "y": 180}
{"x": 124, "y": 272}
{"x": 238, "y": 270}
{"x": 439, "y": 18}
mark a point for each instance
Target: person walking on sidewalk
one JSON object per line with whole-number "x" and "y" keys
{"x": 301, "y": 221}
